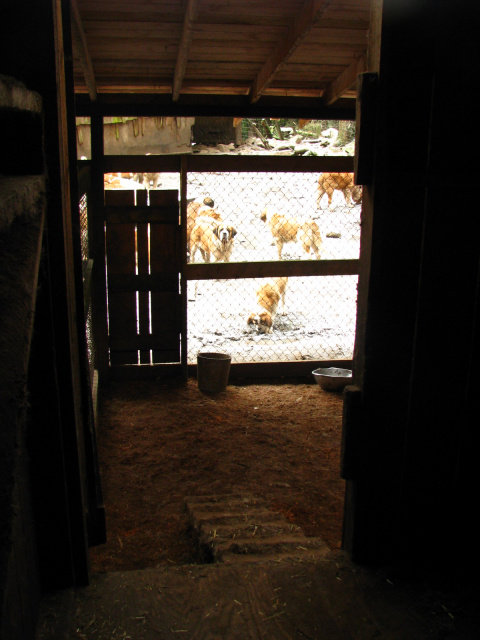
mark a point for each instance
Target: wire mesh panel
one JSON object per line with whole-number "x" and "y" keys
{"x": 86, "y": 274}
{"x": 83, "y": 213}
{"x": 268, "y": 216}
{"x": 272, "y": 216}
{"x": 315, "y": 320}
{"x": 278, "y": 216}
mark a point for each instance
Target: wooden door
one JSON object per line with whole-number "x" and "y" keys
{"x": 143, "y": 254}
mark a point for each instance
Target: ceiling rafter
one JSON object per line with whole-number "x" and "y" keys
{"x": 303, "y": 22}
{"x": 288, "y": 50}
{"x": 81, "y": 49}
{"x": 191, "y": 12}
{"x": 345, "y": 81}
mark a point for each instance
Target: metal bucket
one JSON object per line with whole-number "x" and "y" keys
{"x": 212, "y": 371}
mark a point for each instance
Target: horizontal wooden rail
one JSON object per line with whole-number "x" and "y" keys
{"x": 268, "y": 164}
{"x": 301, "y": 369}
{"x": 140, "y": 214}
{"x": 235, "y": 270}
{"x": 226, "y": 163}
{"x": 158, "y": 105}
{"x": 167, "y": 341}
{"x": 158, "y": 282}
{"x": 141, "y": 164}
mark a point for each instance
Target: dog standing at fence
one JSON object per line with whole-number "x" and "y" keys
{"x": 344, "y": 182}
{"x": 213, "y": 238}
{"x": 286, "y": 229}
{"x": 197, "y": 209}
{"x": 269, "y": 294}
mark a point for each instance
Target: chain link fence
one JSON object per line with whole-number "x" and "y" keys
{"x": 86, "y": 272}
{"x": 255, "y": 217}
{"x": 316, "y": 323}
{"x": 273, "y": 216}
{"x": 252, "y": 217}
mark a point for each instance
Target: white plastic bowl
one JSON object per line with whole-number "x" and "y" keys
{"x": 332, "y": 378}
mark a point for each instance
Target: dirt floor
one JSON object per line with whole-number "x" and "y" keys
{"x": 160, "y": 443}
{"x": 327, "y": 600}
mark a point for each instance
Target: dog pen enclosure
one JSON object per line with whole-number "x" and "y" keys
{"x": 156, "y": 303}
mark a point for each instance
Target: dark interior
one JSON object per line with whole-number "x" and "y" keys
{"x": 402, "y": 71}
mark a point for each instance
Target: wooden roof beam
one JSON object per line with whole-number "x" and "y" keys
{"x": 191, "y": 12}
{"x": 345, "y": 81}
{"x": 303, "y": 22}
{"x": 79, "y": 42}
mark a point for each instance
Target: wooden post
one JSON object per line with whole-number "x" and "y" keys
{"x": 99, "y": 282}
{"x": 74, "y": 432}
{"x": 183, "y": 280}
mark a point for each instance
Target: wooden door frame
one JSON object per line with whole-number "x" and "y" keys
{"x": 183, "y": 164}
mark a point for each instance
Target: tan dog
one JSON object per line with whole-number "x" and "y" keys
{"x": 268, "y": 295}
{"x": 288, "y": 229}
{"x": 197, "y": 209}
{"x": 212, "y": 238}
{"x": 329, "y": 182}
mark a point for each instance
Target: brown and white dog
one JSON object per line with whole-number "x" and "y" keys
{"x": 288, "y": 229}
{"x": 197, "y": 209}
{"x": 212, "y": 238}
{"x": 329, "y": 182}
{"x": 268, "y": 296}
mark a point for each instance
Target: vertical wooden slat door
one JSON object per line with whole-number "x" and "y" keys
{"x": 165, "y": 252}
{"x": 121, "y": 261}
{"x": 143, "y": 269}
{"x": 143, "y": 249}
